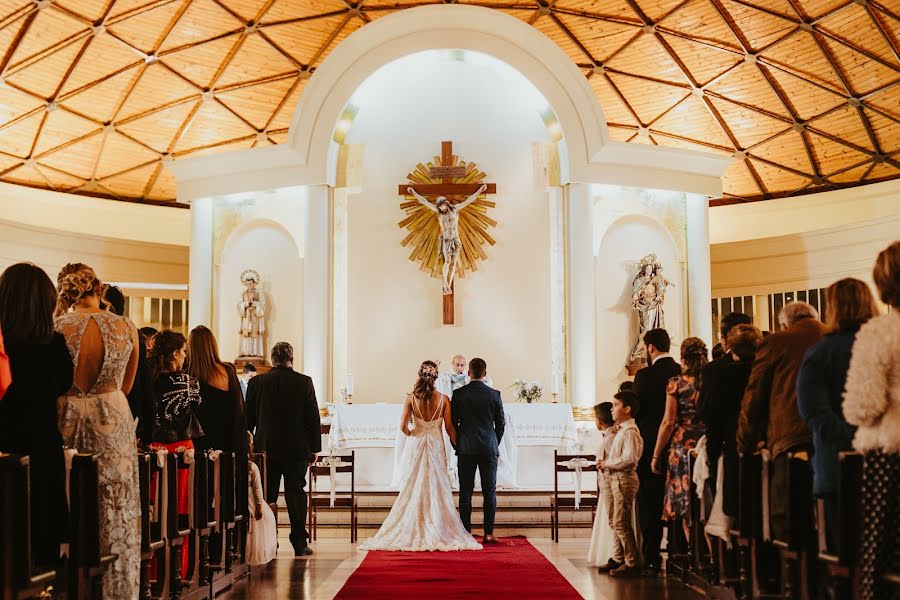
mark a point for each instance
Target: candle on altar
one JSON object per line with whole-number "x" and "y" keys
{"x": 554, "y": 388}
{"x": 349, "y": 384}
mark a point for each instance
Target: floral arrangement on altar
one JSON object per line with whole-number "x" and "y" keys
{"x": 528, "y": 391}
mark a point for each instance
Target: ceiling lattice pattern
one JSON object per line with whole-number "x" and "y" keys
{"x": 96, "y": 96}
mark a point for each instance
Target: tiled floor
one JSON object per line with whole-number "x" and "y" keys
{"x": 321, "y": 576}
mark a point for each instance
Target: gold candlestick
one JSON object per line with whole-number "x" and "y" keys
{"x": 554, "y": 395}
{"x": 349, "y": 398}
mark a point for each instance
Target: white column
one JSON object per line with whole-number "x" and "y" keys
{"x": 581, "y": 321}
{"x": 317, "y": 289}
{"x": 201, "y": 263}
{"x": 698, "y": 269}
{"x": 557, "y": 290}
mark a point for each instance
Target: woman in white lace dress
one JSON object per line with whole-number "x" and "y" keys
{"x": 94, "y": 417}
{"x": 424, "y": 516}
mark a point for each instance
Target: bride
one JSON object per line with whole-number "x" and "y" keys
{"x": 423, "y": 516}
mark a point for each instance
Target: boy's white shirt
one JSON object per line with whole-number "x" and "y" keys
{"x": 626, "y": 448}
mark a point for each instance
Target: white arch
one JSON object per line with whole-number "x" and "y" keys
{"x": 592, "y": 157}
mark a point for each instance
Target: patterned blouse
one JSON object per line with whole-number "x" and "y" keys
{"x": 177, "y": 397}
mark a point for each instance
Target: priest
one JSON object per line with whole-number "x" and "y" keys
{"x": 449, "y": 381}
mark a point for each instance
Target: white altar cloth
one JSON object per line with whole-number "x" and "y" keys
{"x": 533, "y": 431}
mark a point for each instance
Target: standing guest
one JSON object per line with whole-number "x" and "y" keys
{"x": 820, "y": 386}
{"x": 727, "y": 387}
{"x": 710, "y": 386}
{"x": 221, "y": 414}
{"x": 41, "y": 371}
{"x": 621, "y": 467}
{"x": 650, "y": 385}
{"x": 769, "y": 412}
{"x": 604, "y": 543}
{"x": 94, "y": 416}
{"x": 680, "y": 431}
{"x": 141, "y": 398}
{"x": 283, "y": 411}
{"x": 149, "y": 334}
{"x": 872, "y": 403}
{"x": 248, "y": 372}
{"x": 177, "y": 397}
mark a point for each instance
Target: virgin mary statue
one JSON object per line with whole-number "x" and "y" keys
{"x": 648, "y": 291}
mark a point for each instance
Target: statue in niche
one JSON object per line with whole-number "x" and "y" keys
{"x": 252, "y": 310}
{"x": 648, "y": 293}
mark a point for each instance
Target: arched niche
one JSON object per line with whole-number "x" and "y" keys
{"x": 268, "y": 248}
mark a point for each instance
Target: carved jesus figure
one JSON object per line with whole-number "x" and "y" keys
{"x": 448, "y": 217}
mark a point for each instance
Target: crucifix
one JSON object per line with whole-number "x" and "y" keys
{"x": 458, "y": 235}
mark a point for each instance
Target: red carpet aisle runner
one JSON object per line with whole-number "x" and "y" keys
{"x": 510, "y": 569}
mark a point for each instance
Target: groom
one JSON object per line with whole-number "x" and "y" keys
{"x": 477, "y": 413}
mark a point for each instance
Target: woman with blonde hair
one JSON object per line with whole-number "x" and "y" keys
{"x": 872, "y": 403}
{"x": 94, "y": 416}
{"x": 820, "y": 386}
{"x": 680, "y": 431}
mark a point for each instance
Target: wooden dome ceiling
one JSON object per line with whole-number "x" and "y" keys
{"x": 97, "y": 95}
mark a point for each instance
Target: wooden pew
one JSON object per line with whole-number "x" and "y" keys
{"x": 86, "y": 565}
{"x": 222, "y": 557}
{"x": 794, "y": 547}
{"x": 747, "y": 532}
{"x": 17, "y": 576}
{"x": 153, "y": 531}
{"x": 839, "y": 560}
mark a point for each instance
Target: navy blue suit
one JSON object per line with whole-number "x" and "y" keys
{"x": 477, "y": 413}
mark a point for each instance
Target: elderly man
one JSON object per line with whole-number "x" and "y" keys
{"x": 450, "y": 381}
{"x": 769, "y": 414}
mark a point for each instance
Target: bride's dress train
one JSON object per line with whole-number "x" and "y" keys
{"x": 423, "y": 516}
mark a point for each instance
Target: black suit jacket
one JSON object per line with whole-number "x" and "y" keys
{"x": 142, "y": 397}
{"x": 650, "y": 386}
{"x": 282, "y": 408}
{"x": 477, "y": 413}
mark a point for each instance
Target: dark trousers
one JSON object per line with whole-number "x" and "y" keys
{"x": 650, "y": 505}
{"x": 487, "y": 467}
{"x": 294, "y": 473}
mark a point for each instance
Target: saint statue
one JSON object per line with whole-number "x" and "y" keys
{"x": 252, "y": 310}
{"x": 448, "y": 217}
{"x": 648, "y": 292}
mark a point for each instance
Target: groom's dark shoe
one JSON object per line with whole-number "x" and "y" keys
{"x": 489, "y": 539}
{"x": 609, "y": 566}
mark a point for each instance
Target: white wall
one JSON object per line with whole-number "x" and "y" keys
{"x": 502, "y": 310}
{"x": 269, "y": 249}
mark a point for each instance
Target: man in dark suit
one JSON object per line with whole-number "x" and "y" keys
{"x": 650, "y": 387}
{"x": 282, "y": 408}
{"x": 477, "y": 413}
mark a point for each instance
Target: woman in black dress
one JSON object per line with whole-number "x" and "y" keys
{"x": 42, "y": 371}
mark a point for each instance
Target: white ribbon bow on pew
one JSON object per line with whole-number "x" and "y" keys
{"x": 332, "y": 462}
{"x": 576, "y": 464}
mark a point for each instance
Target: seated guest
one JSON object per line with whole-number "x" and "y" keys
{"x": 177, "y": 400}
{"x": 721, "y": 417}
{"x": 820, "y": 386}
{"x": 603, "y": 538}
{"x": 769, "y": 414}
{"x": 650, "y": 385}
{"x": 140, "y": 398}
{"x": 872, "y": 403}
{"x": 680, "y": 432}
{"x": 42, "y": 371}
{"x": 620, "y": 466}
{"x": 709, "y": 387}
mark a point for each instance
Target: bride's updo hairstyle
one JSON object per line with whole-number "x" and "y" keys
{"x": 74, "y": 282}
{"x": 424, "y": 387}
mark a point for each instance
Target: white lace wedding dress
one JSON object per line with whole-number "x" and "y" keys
{"x": 423, "y": 516}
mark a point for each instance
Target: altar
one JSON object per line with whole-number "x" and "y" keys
{"x": 533, "y": 432}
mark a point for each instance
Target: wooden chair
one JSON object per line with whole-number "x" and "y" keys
{"x": 17, "y": 579}
{"x": 86, "y": 564}
{"x": 344, "y": 501}
{"x": 262, "y": 464}
{"x": 589, "y": 499}
{"x": 839, "y": 558}
{"x": 153, "y": 532}
{"x": 747, "y": 532}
